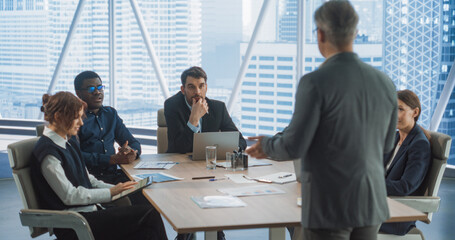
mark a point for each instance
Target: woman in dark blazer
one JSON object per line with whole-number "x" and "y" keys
{"x": 407, "y": 165}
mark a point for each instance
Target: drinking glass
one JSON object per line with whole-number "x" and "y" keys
{"x": 210, "y": 157}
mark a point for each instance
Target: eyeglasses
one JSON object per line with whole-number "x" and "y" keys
{"x": 92, "y": 89}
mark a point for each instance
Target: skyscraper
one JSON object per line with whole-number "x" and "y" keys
{"x": 412, "y": 40}
{"x": 447, "y": 58}
{"x": 32, "y": 34}
{"x": 268, "y": 90}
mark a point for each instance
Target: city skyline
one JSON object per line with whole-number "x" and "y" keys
{"x": 411, "y": 41}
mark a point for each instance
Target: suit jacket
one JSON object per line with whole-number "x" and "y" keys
{"x": 177, "y": 114}
{"x": 344, "y": 121}
{"x": 407, "y": 171}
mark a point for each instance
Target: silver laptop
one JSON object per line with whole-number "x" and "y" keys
{"x": 224, "y": 142}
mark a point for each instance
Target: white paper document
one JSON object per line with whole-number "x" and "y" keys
{"x": 281, "y": 177}
{"x": 238, "y": 178}
{"x": 155, "y": 165}
{"x": 252, "y": 190}
{"x": 218, "y": 201}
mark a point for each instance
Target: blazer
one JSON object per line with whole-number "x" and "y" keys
{"x": 344, "y": 121}
{"x": 407, "y": 171}
{"x": 177, "y": 114}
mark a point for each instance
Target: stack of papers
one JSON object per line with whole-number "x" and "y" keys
{"x": 252, "y": 190}
{"x": 155, "y": 165}
{"x": 218, "y": 201}
{"x": 158, "y": 177}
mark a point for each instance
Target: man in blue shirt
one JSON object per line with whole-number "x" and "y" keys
{"x": 101, "y": 129}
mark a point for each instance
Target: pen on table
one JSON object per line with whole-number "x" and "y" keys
{"x": 216, "y": 179}
{"x": 204, "y": 177}
{"x": 284, "y": 176}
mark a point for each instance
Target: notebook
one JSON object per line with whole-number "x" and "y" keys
{"x": 224, "y": 142}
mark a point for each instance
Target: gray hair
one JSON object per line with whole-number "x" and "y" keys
{"x": 338, "y": 20}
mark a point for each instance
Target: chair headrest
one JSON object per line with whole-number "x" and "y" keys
{"x": 440, "y": 145}
{"x": 20, "y": 153}
{"x": 161, "y": 118}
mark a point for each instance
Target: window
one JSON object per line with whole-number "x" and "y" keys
{"x": 249, "y": 126}
{"x": 246, "y": 117}
{"x": 266, "y": 58}
{"x": 268, "y": 128}
{"x": 249, "y": 92}
{"x": 266, "y": 119}
{"x": 284, "y": 103}
{"x": 249, "y": 84}
{"x": 250, "y": 75}
{"x": 284, "y": 85}
{"x": 282, "y": 76}
{"x": 248, "y": 109}
{"x": 271, "y": 67}
{"x": 285, "y": 59}
{"x": 266, "y": 84}
{"x": 264, "y": 75}
{"x": 262, "y": 101}
{"x": 284, "y": 68}
{"x": 284, "y": 94}
{"x": 265, "y": 110}
{"x": 266, "y": 93}
{"x": 248, "y": 100}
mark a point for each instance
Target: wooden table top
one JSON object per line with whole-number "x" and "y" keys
{"x": 173, "y": 199}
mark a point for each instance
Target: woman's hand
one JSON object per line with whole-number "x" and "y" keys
{"x": 122, "y": 187}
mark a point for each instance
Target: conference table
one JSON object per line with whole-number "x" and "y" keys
{"x": 173, "y": 199}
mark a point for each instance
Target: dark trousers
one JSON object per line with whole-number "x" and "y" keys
{"x": 357, "y": 233}
{"x": 130, "y": 222}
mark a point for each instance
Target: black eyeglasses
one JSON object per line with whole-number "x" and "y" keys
{"x": 92, "y": 89}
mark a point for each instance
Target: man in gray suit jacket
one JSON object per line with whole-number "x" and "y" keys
{"x": 344, "y": 121}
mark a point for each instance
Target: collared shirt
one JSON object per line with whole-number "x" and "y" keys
{"x": 191, "y": 126}
{"x": 54, "y": 174}
{"x": 98, "y": 135}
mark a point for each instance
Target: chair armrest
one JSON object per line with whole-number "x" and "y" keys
{"x": 57, "y": 219}
{"x": 421, "y": 203}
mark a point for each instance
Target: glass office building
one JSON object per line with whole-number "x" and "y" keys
{"x": 413, "y": 41}
{"x": 32, "y": 37}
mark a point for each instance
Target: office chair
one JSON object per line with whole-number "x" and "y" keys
{"x": 427, "y": 200}
{"x": 40, "y": 220}
{"x": 161, "y": 132}
{"x": 39, "y": 130}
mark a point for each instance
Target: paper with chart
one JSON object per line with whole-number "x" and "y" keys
{"x": 252, "y": 190}
{"x": 155, "y": 165}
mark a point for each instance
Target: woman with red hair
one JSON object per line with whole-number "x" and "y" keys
{"x": 63, "y": 182}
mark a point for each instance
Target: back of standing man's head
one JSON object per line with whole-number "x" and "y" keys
{"x": 81, "y": 77}
{"x": 195, "y": 72}
{"x": 338, "y": 20}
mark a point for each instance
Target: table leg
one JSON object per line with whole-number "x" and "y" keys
{"x": 277, "y": 233}
{"x": 210, "y": 235}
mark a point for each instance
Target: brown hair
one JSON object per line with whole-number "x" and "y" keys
{"x": 409, "y": 98}
{"x": 65, "y": 104}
